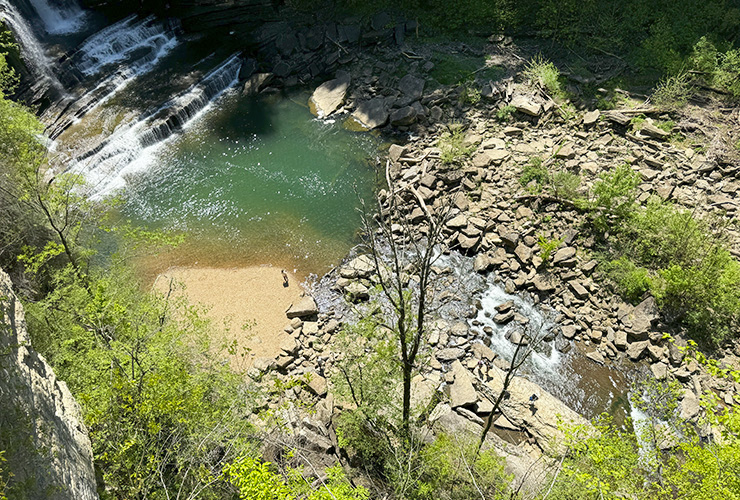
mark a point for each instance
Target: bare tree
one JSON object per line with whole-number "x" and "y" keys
{"x": 399, "y": 249}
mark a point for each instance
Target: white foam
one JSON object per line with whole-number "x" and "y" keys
{"x": 62, "y": 17}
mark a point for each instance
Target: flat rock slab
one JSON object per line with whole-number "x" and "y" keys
{"x": 305, "y": 307}
{"x": 462, "y": 392}
{"x": 372, "y": 113}
{"x": 329, "y": 96}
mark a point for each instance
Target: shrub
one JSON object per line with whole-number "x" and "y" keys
{"x": 545, "y": 74}
{"x": 534, "y": 171}
{"x": 452, "y": 145}
{"x": 470, "y": 94}
{"x": 547, "y": 247}
{"x": 613, "y": 196}
{"x": 630, "y": 280}
{"x": 685, "y": 264}
{"x": 504, "y": 114}
{"x": 673, "y": 91}
{"x": 565, "y": 185}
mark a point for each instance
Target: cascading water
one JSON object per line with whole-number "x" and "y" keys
{"x": 32, "y": 52}
{"x": 120, "y": 42}
{"x": 106, "y": 166}
{"x": 556, "y": 365}
{"x": 133, "y": 47}
{"x": 60, "y": 18}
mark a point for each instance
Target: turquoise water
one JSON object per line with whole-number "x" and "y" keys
{"x": 257, "y": 181}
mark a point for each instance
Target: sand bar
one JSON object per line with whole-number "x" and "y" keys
{"x": 254, "y": 296}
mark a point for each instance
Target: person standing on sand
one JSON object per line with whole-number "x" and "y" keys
{"x": 286, "y": 283}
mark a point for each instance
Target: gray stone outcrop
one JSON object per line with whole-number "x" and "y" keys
{"x": 41, "y": 429}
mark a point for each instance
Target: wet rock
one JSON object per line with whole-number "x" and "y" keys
{"x": 305, "y": 307}
{"x": 569, "y": 331}
{"x": 503, "y": 318}
{"x": 357, "y": 292}
{"x": 596, "y": 357}
{"x": 482, "y": 263}
{"x": 462, "y": 392}
{"x": 359, "y": 267}
{"x": 256, "y": 83}
{"x": 505, "y": 306}
{"x": 329, "y": 96}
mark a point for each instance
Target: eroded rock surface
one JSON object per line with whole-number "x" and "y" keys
{"x": 41, "y": 425}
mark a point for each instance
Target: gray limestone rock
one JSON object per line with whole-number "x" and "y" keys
{"x": 329, "y": 96}
{"x": 47, "y": 442}
{"x": 305, "y": 307}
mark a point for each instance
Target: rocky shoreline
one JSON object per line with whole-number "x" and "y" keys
{"x": 498, "y": 223}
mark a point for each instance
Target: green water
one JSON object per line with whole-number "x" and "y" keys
{"x": 257, "y": 181}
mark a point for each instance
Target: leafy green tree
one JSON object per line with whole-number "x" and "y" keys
{"x": 256, "y": 480}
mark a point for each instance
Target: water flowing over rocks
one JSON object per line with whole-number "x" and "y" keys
{"x": 47, "y": 445}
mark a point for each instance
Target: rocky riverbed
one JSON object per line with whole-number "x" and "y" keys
{"x": 497, "y": 223}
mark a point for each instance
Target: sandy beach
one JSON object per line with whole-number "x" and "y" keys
{"x": 245, "y": 304}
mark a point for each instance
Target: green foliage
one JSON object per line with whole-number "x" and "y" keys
{"x": 632, "y": 281}
{"x": 719, "y": 68}
{"x": 470, "y": 94}
{"x": 534, "y": 171}
{"x": 156, "y": 398}
{"x": 547, "y": 247}
{"x": 257, "y": 480}
{"x": 4, "y": 476}
{"x": 544, "y": 74}
{"x": 504, "y": 114}
{"x": 565, "y": 185}
{"x": 684, "y": 263}
{"x": 452, "y": 471}
{"x": 452, "y": 145}
{"x": 660, "y": 458}
{"x": 613, "y": 197}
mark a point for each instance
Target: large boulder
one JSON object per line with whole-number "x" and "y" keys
{"x": 540, "y": 417}
{"x": 526, "y": 105}
{"x": 304, "y": 308}
{"x": 372, "y": 113}
{"x": 329, "y": 96}
{"x": 411, "y": 88}
{"x": 462, "y": 392}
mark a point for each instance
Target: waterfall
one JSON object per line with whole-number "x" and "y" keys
{"x": 32, "y": 52}
{"x": 60, "y": 18}
{"x": 134, "y": 47}
{"x": 547, "y": 362}
{"x": 123, "y": 41}
{"x": 130, "y": 149}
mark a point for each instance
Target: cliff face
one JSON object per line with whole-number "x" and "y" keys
{"x": 47, "y": 448}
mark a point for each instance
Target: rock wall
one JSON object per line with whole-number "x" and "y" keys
{"x": 47, "y": 447}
